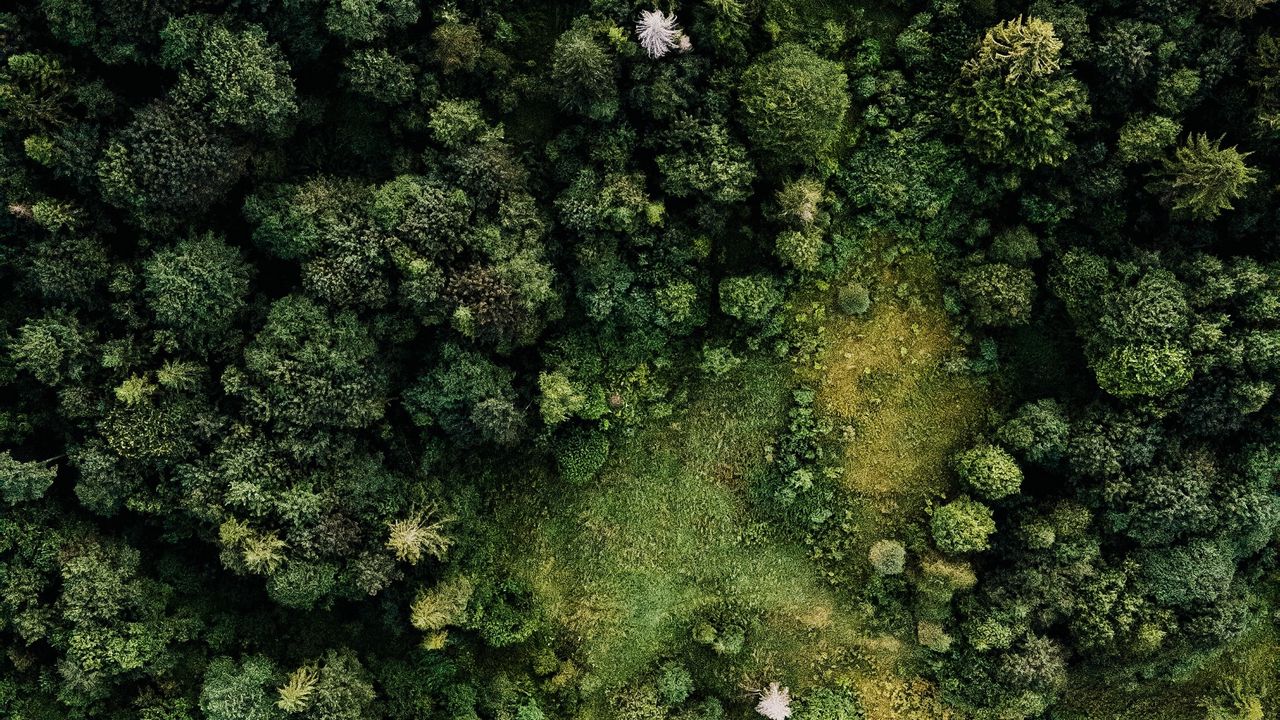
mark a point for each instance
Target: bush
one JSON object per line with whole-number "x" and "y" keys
{"x": 675, "y": 684}
{"x": 751, "y": 299}
{"x": 989, "y": 471}
{"x": 854, "y": 299}
{"x": 793, "y": 105}
{"x": 829, "y": 704}
{"x": 888, "y": 557}
{"x": 962, "y": 526}
{"x": 580, "y": 455}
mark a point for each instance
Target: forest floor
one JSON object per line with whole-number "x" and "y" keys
{"x": 665, "y": 537}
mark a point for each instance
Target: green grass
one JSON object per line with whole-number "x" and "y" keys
{"x": 625, "y": 567}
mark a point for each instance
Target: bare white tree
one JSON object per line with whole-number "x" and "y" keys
{"x": 658, "y": 33}
{"x": 775, "y": 702}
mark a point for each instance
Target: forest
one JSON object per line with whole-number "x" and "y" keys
{"x": 639, "y": 360}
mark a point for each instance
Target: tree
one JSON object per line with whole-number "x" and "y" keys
{"x": 1143, "y": 370}
{"x": 365, "y": 21}
{"x": 751, "y": 299}
{"x": 239, "y": 78}
{"x": 166, "y": 166}
{"x": 452, "y": 396}
{"x": 1144, "y": 138}
{"x": 239, "y": 691}
{"x": 1014, "y": 104}
{"x": 379, "y": 75}
{"x": 309, "y": 368}
{"x": 1018, "y": 50}
{"x": 793, "y": 105}
{"x": 1202, "y": 178}
{"x": 197, "y": 288}
{"x": 988, "y": 471}
{"x": 962, "y": 526}
{"x": 53, "y": 348}
{"x": 998, "y": 294}
{"x": 1039, "y": 431}
{"x": 582, "y": 72}
{"x": 458, "y": 47}
{"x": 24, "y": 481}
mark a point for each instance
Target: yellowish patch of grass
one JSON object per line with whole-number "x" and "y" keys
{"x": 883, "y": 379}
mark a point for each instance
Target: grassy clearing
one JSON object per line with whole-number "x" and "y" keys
{"x": 625, "y": 567}
{"x": 883, "y": 379}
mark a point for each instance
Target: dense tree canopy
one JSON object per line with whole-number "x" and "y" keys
{"x": 488, "y": 360}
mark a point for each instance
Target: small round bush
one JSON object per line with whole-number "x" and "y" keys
{"x": 854, "y": 299}
{"x": 580, "y": 456}
{"x": 888, "y": 557}
{"x": 989, "y": 471}
{"x": 675, "y": 684}
{"x": 962, "y": 526}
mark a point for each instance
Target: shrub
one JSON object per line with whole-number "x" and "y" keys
{"x": 793, "y": 104}
{"x": 962, "y": 526}
{"x": 829, "y": 704}
{"x": 989, "y": 471}
{"x": 854, "y": 299}
{"x": 580, "y": 455}
{"x": 888, "y": 557}
{"x": 751, "y": 299}
{"x": 675, "y": 684}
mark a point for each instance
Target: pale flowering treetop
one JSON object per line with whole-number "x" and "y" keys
{"x": 658, "y": 33}
{"x": 775, "y": 702}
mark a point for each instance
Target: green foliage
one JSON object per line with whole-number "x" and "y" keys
{"x": 1198, "y": 572}
{"x": 309, "y": 367}
{"x": 888, "y": 557}
{"x": 962, "y": 526}
{"x": 1134, "y": 370}
{"x": 829, "y": 704}
{"x": 379, "y": 75}
{"x": 583, "y": 75}
{"x": 989, "y": 472}
{"x": 998, "y": 294}
{"x": 675, "y": 684}
{"x": 1203, "y": 178}
{"x": 1039, "y": 432}
{"x": 197, "y": 288}
{"x": 166, "y": 165}
{"x": 364, "y": 21}
{"x": 1015, "y": 105}
{"x": 239, "y": 691}
{"x": 580, "y": 455}
{"x": 238, "y": 78}
{"x": 24, "y": 481}
{"x": 1018, "y": 50}
{"x": 793, "y": 105}
{"x": 1145, "y": 137}
{"x": 751, "y": 299}
{"x": 453, "y": 397}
